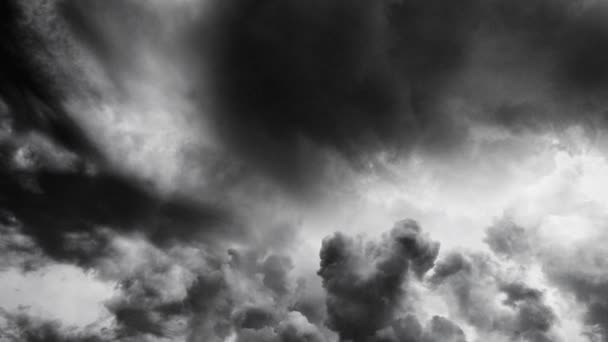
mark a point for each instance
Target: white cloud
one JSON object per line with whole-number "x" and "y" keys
{"x": 59, "y": 292}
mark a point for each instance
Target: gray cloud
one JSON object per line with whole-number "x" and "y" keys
{"x": 290, "y": 90}
{"x": 505, "y": 238}
{"x": 21, "y": 327}
{"x": 583, "y": 276}
{"x": 361, "y": 278}
{"x": 287, "y": 87}
{"x": 474, "y": 281}
{"x": 408, "y": 329}
{"x": 573, "y": 270}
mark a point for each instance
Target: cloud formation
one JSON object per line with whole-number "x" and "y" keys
{"x": 289, "y": 107}
{"x": 362, "y": 278}
{"x": 287, "y": 87}
{"x": 395, "y": 76}
{"x": 475, "y": 282}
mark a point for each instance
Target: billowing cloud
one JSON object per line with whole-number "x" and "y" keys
{"x": 566, "y": 268}
{"x": 361, "y": 278}
{"x": 476, "y": 282}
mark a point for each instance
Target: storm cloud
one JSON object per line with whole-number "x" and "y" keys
{"x": 362, "y": 278}
{"x": 359, "y": 78}
{"x": 224, "y": 170}
{"x": 290, "y": 86}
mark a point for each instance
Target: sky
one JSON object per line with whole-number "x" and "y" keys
{"x": 304, "y": 171}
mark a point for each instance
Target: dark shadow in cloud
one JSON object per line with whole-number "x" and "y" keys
{"x": 585, "y": 50}
{"x": 55, "y": 205}
{"x": 254, "y": 317}
{"x": 353, "y": 77}
{"x": 289, "y": 85}
{"x": 55, "y": 183}
{"x": 211, "y": 304}
{"x": 275, "y": 270}
{"x": 409, "y": 329}
{"x": 25, "y": 328}
{"x": 138, "y": 321}
{"x": 534, "y": 317}
{"x": 27, "y": 84}
{"x": 291, "y": 78}
{"x": 293, "y": 327}
{"x": 364, "y": 278}
{"x": 568, "y": 41}
{"x": 309, "y": 300}
{"x": 403, "y": 329}
{"x": 163, "y": 297}
{"x": 442, "y": 329}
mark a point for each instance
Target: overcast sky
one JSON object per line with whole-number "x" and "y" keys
{"x": 304, "y": 170}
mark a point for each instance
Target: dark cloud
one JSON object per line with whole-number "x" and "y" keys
{"x": 442, "y": 329}
{"x": 408, "y": 329}
{"x": 275, "y": 269}
{"x": 585, "y": 49}
{"x": 555, "y": 46}
{"x": 60, "y": 198}
{"x": 200, "y": 296}
{"x": 353, "y": 77}
{"x": 534, "y": 317}
{"x": 293, "y": 328}
{"x": 288, "y": 86}
{"x": 222, "y": 310}
{"x": 55, "y": 183}
{"x": 24, "y": 328}
{"x": 57, "y": 208}
{"x": 404, "y": 329}
{"x": 517, "y": 292}
{"x": 138, "y": 321}
{"x": 272, "y": 268}
{"x": 362, "y": 278}
{"x": 211, "y": 306}
{"x": 450, "y": 265}
{"x": 145, "y": 311}
{"x": 309, "y": 300}
{"x": 250, "y": 296}
{"x": 361, "y": 77}
{"x": 29, "y": 85}
{"x": 254, "y": 318}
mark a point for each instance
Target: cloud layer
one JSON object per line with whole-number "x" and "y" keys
{"x": 202, "y": 170}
